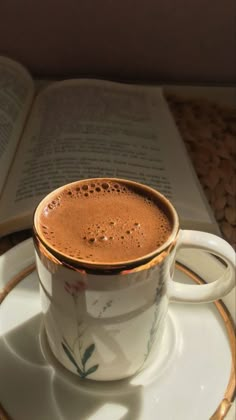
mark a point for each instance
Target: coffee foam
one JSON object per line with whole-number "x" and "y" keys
{"x": 104, "y": 222}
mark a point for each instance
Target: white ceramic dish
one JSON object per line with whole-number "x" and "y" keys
{"x": 192, "y": 379}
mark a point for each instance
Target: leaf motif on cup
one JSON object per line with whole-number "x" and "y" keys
{"x": 91, "y": 370}
{"x": 69, "y": 355}
{"x": 88, "y": 353}
{"x": 83, "y": 373}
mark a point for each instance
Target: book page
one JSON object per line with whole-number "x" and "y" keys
{"x": 16, "y": 93}
{"x": 90, "y": 129}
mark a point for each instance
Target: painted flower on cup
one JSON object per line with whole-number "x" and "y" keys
{"x": 74, "y": 289}
{"x": 79, "y": 354}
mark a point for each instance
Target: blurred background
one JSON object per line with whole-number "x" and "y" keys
{"x": 181, "y": 41}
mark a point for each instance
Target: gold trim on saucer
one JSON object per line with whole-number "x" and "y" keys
{"x": 14, "y": 281}
{"x": 230, "y": 391}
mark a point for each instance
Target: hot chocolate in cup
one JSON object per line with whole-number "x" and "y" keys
{"x": 105, "y": 254}
{"x": 106, "y": 222}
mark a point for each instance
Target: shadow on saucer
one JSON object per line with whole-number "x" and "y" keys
{"x": 36, "y": 386}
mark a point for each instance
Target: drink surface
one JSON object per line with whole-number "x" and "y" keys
{"x": 104, "y": 221}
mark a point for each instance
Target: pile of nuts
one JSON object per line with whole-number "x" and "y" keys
{"x": 209, "y": 133}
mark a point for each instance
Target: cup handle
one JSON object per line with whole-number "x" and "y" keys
{"x": 207, "y": 292}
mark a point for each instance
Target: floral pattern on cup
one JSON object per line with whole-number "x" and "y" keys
{"x": 160, "y": 291}
{"x": 82, "y": 370}
{"x": 75, "y": 352}
{"x": 75, "y": 288}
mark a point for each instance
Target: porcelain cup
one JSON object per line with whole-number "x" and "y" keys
{"x": 106, "y": 323}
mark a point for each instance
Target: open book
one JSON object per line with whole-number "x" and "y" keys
{"x": 87, "y": 128}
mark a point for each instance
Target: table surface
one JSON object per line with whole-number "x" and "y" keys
{"x": 208, "y": 128}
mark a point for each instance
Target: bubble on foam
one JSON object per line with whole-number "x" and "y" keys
{"x": 103, "y": 238}
{"x": 105, "y": 185}
{"x": 99, "y": 187}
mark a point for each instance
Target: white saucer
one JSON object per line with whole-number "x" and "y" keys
{"x": 192, "y": 379}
